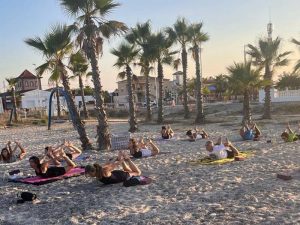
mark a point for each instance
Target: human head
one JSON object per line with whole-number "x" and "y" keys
{"x": 163, "y": 128}
{"x": 34, "y": 162}
{"x": 285, "y": 136}
{"x": 132, "y": 144}
{"x": 5, "y": 155}
{"x": 189, "y": 133}
{"x": 93, "y": 171}
{"x": 47, "y": 148}
{"x": 209, "y": 145}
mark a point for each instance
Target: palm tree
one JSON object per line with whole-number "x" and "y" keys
{"x": 159, "y": 49}
{"x": 93, "y": 28}
{"x": 126, "y": 55}
{"x": 221, "y": 83}
{"x": 55, "y": 47}
{"x": 288, "y": 81}
{"x": 198, "y": 37}
{"x": 79, "y": 66}
{"x": 54, "y": 79}
{"x": 267, "y": 56}
{"x": 12, "y": 82}
{"x": 139, "y": 36}
{"x": 243, "y": 79}
{"x": 297, "y": 66}
{"x": 180, "y": 33}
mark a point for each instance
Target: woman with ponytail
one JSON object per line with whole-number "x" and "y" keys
{"x": 108, "y": 174}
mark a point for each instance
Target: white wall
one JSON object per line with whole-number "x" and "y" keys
{"x": 281, "y": 96}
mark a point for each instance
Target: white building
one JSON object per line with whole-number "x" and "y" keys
{"x": 38, "y": 99}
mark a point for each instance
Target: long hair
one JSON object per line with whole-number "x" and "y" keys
{"x": 5, "y": 159}
{"x": 36, "y": 160}
{"x": 96, "y": 168}
{"x": 134, "y": 146}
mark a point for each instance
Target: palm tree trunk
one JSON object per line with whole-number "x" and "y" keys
{"x": 267, "y": 105}
{"x": 77, "y": 123}
{"x": 132, "y": 117}
{"x": 58, "y": 101}
{"x": 149, "y": 113}
{"x": 199, "y": 96}
{"x": 160, "y": 74}
{"x": 185, "y": 96}
{"x": 85, "y": 113}
{"x": 14, "y": 104}
{"x": 246, "y": 107}
{"x": 104, "y": 141}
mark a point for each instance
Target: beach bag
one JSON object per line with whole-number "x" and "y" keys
{"x": 137, "y": 180}
{"x": 26, "y": 197}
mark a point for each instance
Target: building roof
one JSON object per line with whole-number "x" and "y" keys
{"x": 27, "y": 75}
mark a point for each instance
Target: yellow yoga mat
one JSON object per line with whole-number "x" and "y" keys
{"x": 206, "y": 161}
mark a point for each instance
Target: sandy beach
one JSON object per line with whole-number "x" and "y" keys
{"x": 241, "y": 192}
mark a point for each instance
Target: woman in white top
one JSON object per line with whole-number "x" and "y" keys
{"x": 220, "y": 150}
{"x": 196, "y": 134}
{"x": 142, "y": 150}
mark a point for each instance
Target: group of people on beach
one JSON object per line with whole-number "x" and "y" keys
{"x": 51, "y": 164}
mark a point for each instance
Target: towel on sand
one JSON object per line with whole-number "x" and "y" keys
{"x": 209, "y": 161}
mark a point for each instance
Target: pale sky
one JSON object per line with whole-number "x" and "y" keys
{"x": 230, "y": 24}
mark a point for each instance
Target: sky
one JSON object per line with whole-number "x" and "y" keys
{"x": 230, "y": 24}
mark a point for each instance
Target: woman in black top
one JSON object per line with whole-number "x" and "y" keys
{"x": 43, "y": 169}
{"x": 107, "y": 173}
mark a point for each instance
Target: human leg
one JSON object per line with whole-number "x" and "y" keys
{"x": 134, "y": 170}
{"x": 154, "y": 148}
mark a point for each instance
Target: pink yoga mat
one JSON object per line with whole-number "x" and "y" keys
{"x": 40, "y": 180}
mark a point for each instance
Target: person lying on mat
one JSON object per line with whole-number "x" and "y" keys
{"x": 166, "y": 132}
{"x": 195, "y": 134}
{"x": 220, "y": 150}
{"x": 9, "y": 154}
{"x": 53, "y": 154}
{"x": 250, "y": 132}
{"x": 138, "y": 150}
{"x": 45, "y": 171}
{"x": 108, "y": 174}
{"x": 289, "y": 135}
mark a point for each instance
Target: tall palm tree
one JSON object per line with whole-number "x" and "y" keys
{"x": 197, "y": 38}
{"x": 55, "y": 47}
{"x": 243, "y": 79}
{"x": 79, "y": 66}
{"x": 267, "y": 56}
{"x": 297, "y": 66}
{"x": 159, "y": 48}
{"x": 126, "y": 55}
{"x": 93, "y": 29}
{"x": 139, "y": 36}
{"x": 180, "y": 33}
{"x": 12, "y": 82}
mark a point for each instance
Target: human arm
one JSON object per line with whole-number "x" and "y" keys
{"x": 219, "y": 141}
{"x": 23, "y": 151}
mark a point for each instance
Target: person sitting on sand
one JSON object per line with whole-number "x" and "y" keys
{"x": 289, "y": 135}
{"x": 250, "y": 132}
{"x": 139, "y": 150}
{"x": 9, "y": 155}
{"x": 167, "y": 132}
{"x": 195, "y": 134}
{"x": 220, "y": 150}
{"x": 107, "y": 173}
{"x": 45, "y": 171}
{"x": 53, "y": 154}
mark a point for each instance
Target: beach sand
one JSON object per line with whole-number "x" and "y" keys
{"x": 241, "y": 192}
